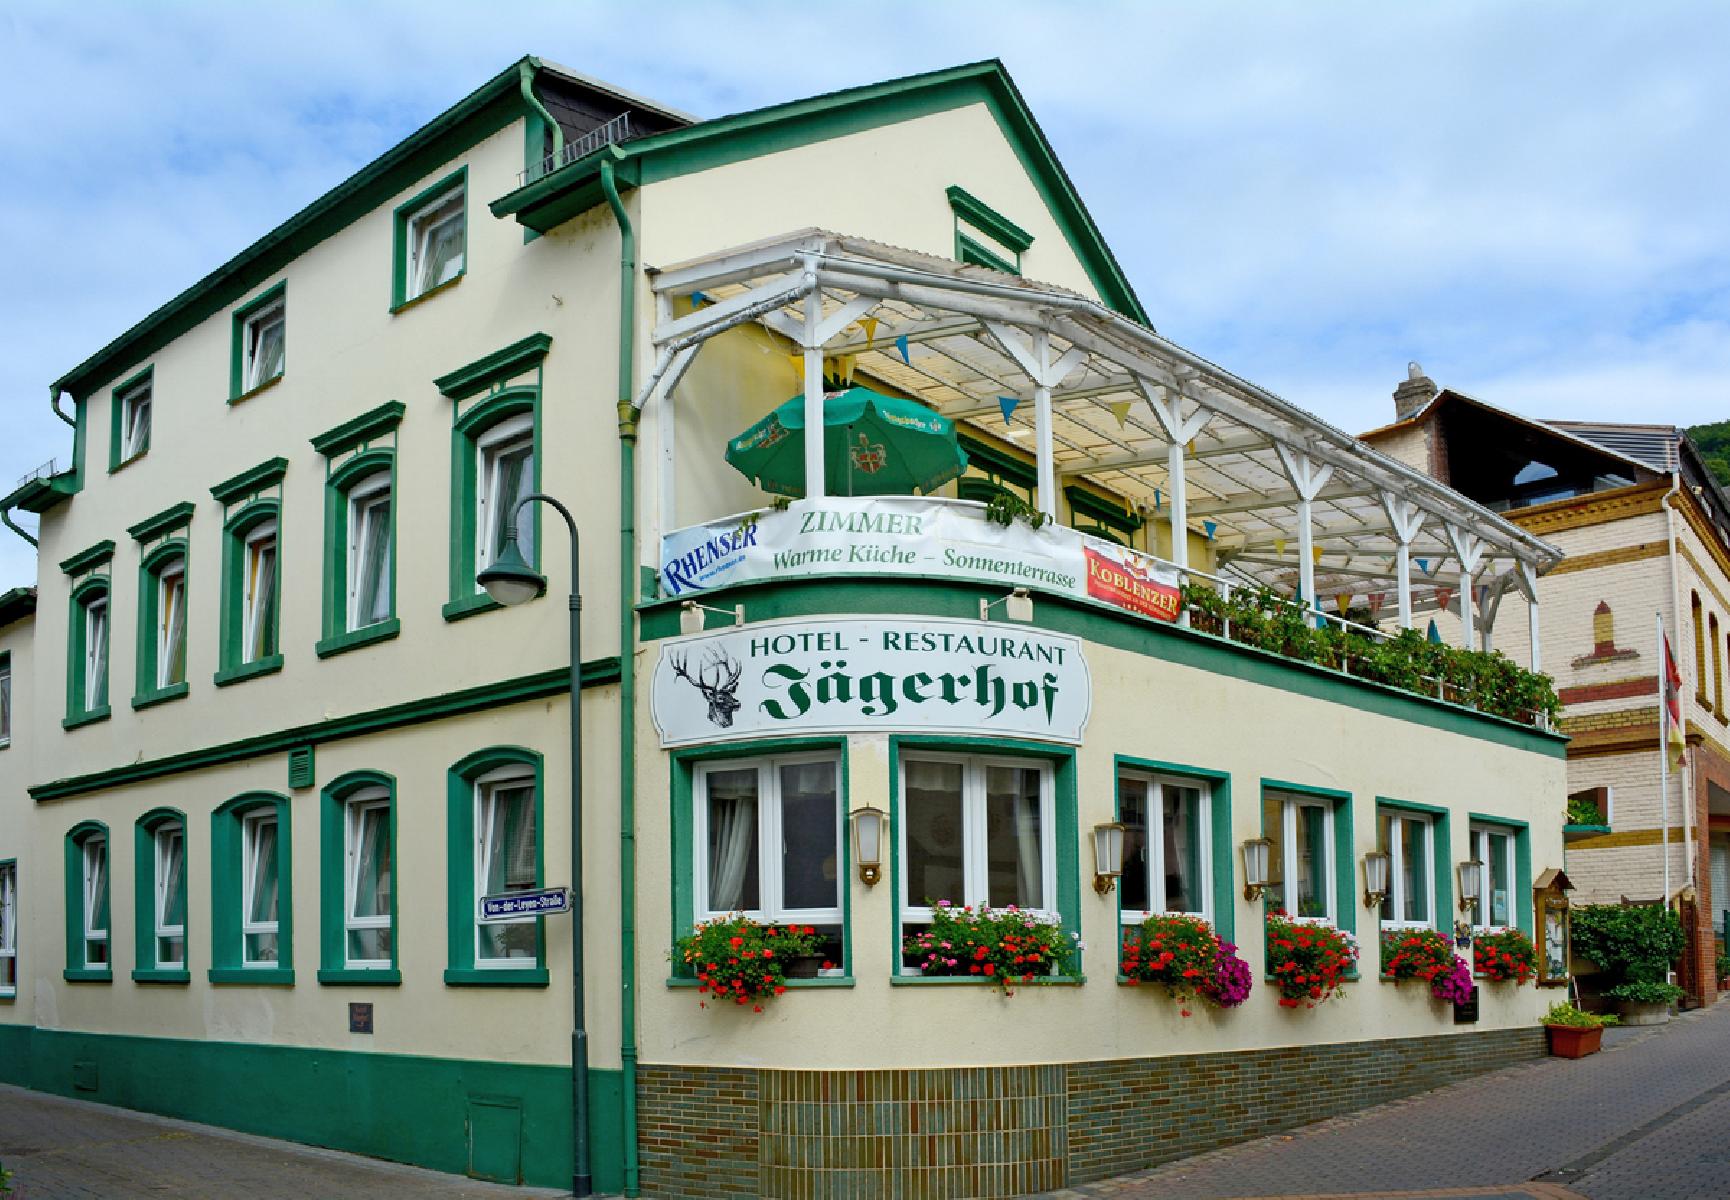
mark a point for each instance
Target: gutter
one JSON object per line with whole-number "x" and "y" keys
{"x": 54, "y": 394}
{"x": 6, "y": 520}
{"x": 627, "y": 679}
{"x": 526, "y": 81}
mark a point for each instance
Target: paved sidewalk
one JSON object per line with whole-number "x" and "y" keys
{"x": 60, "y": 1149}
{"x": 1646, "y": 1119}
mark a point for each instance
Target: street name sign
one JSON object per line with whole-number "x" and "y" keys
{"x": 508, "y": 907}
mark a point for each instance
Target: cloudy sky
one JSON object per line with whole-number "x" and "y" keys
{"x": 1529, "y": 198}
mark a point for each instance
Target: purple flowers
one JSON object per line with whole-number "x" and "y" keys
{"x": 1454, "y": 985}
{"x": 1232, "y": 978}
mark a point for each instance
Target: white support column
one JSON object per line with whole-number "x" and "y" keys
{"x": 1047, "y": 473}
{"x": 1167, "y": 407}
{"x": 1307, "y": 479}
{"x": 1407, "y": 519}
{"x": 815, "y": 430}
{"x": 1492, "y": 605}
{"x": 1469, "y": 550}
{"x": 1526, "y": 579}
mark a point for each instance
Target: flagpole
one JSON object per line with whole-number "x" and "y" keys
{"x": 1664, "y": 749}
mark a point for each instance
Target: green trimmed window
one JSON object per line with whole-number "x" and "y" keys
{"x": 358, "y": 934}
{"x": 769, "y": 842}
{"x": 1310, "y": 862}
{"x": 360, "y": 563}
{"x": 159, "y": 875}
{"x": 260, "y": 342}
{"x": 1504, "y": 880}
{"x": 9, "y": 927}
{"x": 431, "y": 239}
{"x": 129, "y": 419}
{"x": 251, "y": 615}
{"x": 87, "y": 653}
{"x": 252, "y": 909}
{"x": 88, "y": 952}
{"x": 5, "y": 699}
{"x": 1167, "y": 845}
{"x": 1409, "y": 841}
{"x": 497, "y": 464}
{"x": 161, "y": 657}
{"x": 495, "y": 823}
{"x": 976, "y": 830}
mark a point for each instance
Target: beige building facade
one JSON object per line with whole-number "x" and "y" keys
{"x": 271, "y": 742}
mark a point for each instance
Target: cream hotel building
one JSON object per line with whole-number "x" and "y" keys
{"x": 267, "y": 743}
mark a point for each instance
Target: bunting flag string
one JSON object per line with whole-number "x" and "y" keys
{"x": 1008, "y": 404}
{"x": 869, "y": 325}
{"x": 1424, "y": 565}
{"x": 1342, "y": 601}
{"x": 1279, "y": 546}
{"x": 1211, "y": 527}
{"x": 1375, "y": 600}
{"x": 901, "y": 345}
{"x": 1120, "y": 410}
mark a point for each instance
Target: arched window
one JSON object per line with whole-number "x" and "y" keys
{"x": 357, "y": 930}
{"x": 159, "y": 897}
{"x": 251, "y": 587}
{"x": 1717, "y": 665}
{"x": 252, "y": 894}
{"x": 88, "y": 956}
{"x": 87, "y": 653}
{"x": 1699, "y": 648}
{"x": 496, "y": 822}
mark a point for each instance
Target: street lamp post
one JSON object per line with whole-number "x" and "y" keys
{"x": 510, "y": 580}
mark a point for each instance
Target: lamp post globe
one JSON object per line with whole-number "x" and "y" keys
{"x": 509, "y": 579}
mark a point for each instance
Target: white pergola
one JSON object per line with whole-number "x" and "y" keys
{"x": 1290, "y": 501}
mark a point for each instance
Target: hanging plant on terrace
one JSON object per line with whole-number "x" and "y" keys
{"x": 740, "y": 961}
{"x": 1184, "y": 955}
{"x": 1259, "y": 617}
{"x": 1308, "y": 962}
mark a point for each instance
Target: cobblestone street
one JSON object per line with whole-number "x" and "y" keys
{"x": 1644, "y": 1120}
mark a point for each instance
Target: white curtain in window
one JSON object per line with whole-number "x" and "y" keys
{"x": 96, "y": 682}
{"x": 171, "y": 646}
{"x": 370, "y": 559}
{"x": 732, "y": 838}
{"x": 1031, "y": 869}
{"x": 507, "y": 847}
{"x": 261, "y": 598}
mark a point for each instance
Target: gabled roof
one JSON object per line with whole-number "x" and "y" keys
{"x": 1653, "y": 446}
{"x": 16, "y": 605}
{"x": 575, "y": 188}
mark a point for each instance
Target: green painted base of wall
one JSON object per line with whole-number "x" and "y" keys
{"x": 399, "y": 1107}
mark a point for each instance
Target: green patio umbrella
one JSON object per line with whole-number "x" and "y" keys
{"x": 874, "y": 445}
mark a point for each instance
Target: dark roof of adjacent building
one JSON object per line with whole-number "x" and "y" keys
{"x": 16, "y": 605}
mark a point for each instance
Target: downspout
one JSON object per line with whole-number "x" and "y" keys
{"x": 627, "y": 677}
{"x": 6, "y": 520}
{"x": 1676, "y": 620}
{"x": 54, "y": 403}
{"x": 526, "y": 81}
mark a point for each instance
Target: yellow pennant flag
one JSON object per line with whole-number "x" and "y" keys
{"x": 1279, "y": 546}
{"x": 1342, "y": 601}
{"x": 869, "y": 325}
{"x": 1315, "y": 554}
{"x": 1120, "y": 410}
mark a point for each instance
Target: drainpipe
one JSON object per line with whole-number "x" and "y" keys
{"x": 627, "y": 676}
{"x": 526, "y": 81}
{"x": 6, "y": 520}
{"x": 54, "y": 403}
{"x": 1676, "y": 621}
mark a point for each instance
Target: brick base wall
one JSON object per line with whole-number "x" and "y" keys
{"x": 1008, "y": 1131}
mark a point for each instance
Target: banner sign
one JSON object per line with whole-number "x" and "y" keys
{"x": 509, "y": 907}
{"x": 870, "y": 675}
{"x": 905, "y": 536}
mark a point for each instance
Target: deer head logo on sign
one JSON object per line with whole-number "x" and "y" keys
{"x": 722, "y": 691}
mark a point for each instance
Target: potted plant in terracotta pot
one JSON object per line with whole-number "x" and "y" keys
{"x": 1575, "y": 1034}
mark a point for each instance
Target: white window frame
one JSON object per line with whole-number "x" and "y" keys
{"x": 770, "y": 839}
{"x": 91, "y": 849}
{"x": 974, "y": 867}
{"x": 9, "y": 924}
{"x": 421, "y": 224}
{"x": 1481, "y": 835}
{"x": 135, "y": 411}
{"x": 513, "y": 774}
{"x": 162, "y": 839}
{"x": 251, "y": 628}
{"x": 354, "y": 811}
{"x": 1153, "y": 804}
{"x": 96, "y": 630}
{"x": 1396, "y": 877}
{"x": 252, "y": 335}
{"x": 1290, "y": 802}
{"x": 489, "y": 447}
{"x": 171, "y": 573}
{"x": 250, "y": 824}
{"x": 365, "y": 495}
{"x": 5, "y": 700}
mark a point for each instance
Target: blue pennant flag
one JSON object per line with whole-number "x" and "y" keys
{"x": 901, "y": 345}
{"x": 1007, "y": 404}
{"x": 1424, "y": 565}
{"x": 1156, "y": 502}
{"x": 1210, "y": 526}
{"x": 698, "y": 299}
{"x": 1435, "y": 635}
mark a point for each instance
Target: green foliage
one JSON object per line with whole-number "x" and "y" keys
{"x": 1724, "y": 966}
{"x": 1505, "y": 955}
{"x": 1634, "y": 943}
{"x": 1713, "y": 442}
{"x": 1260, "y": 617}
{"x": 1566, "y": 1014}
{"x": 1582, "y": 811}
{"x": 1004, "y": 945}
{"x": 1005, "y": 507}
{"x": 735, "y": 958}
{"x": 1646, "y": 993}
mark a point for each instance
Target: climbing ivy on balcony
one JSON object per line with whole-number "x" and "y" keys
{"x": 1492, "y": 683}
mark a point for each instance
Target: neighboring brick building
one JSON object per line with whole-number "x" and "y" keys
{"x": 1644, "y": 526}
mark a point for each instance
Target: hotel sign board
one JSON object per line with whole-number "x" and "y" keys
{"x": 890, "y": 536}
{"x": 870, "y": 675}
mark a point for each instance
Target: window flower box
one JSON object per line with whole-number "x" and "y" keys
{"x": 1186, "y": 957}
{"x": 1308, "y": 962}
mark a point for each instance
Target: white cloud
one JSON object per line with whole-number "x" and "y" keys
{"x": 1526, "y": 198}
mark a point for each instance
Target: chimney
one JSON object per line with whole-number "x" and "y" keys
{"x": 1412, "y": 395}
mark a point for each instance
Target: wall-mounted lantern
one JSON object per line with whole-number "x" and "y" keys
{"x": 1107, "y": 856}
{"x": 1256, "y": 852}
{"x": 1471, "y": 874}
{"x": 1376, "y": 866}
{"x": 868, "y": 825}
